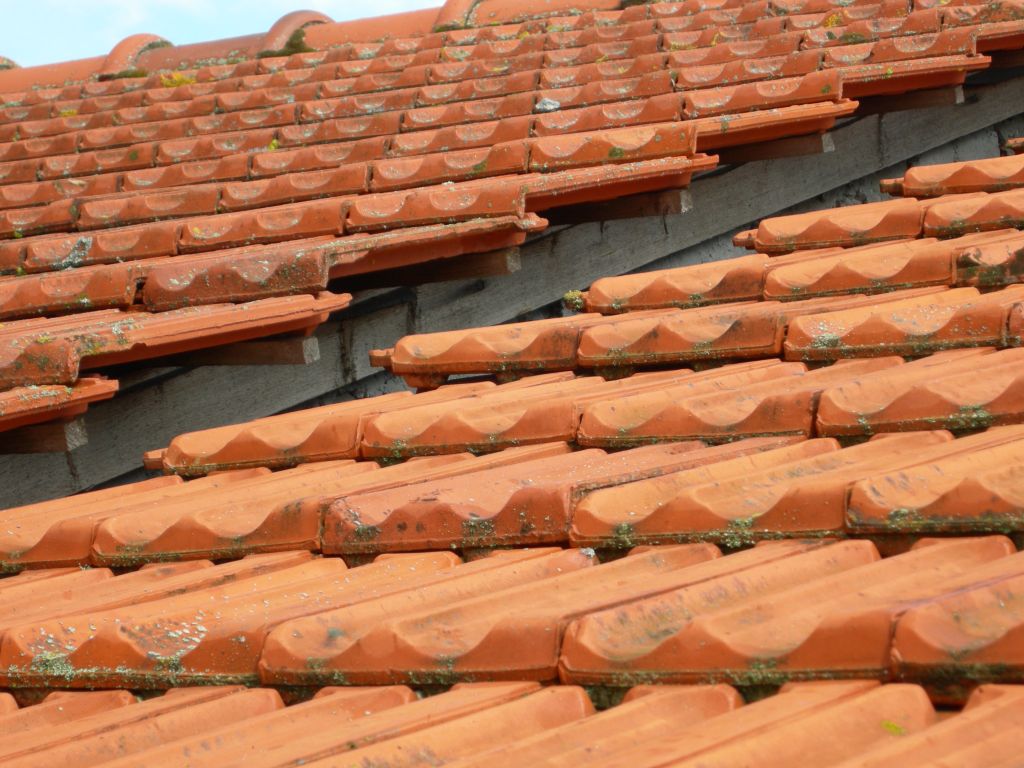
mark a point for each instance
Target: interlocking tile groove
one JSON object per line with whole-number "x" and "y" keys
{"x": 779, "y": 619}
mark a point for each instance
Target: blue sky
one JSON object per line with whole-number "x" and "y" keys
{"x": 46, "y": 31}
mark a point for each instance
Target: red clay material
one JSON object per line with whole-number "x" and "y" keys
{"x": 275, "y": 512}
{"x": 646, "y": 713}
{"x": 993, "y": 174}
{"x": 51, "y": 351}
{"x": 59, "y": 709}
{"x": 725, "y": 331}
{"x": 972, "y": 484}
{"x": 139, "y": 727}
{"x": 852, "y": 225}
{"x": 977, "y": 736}
{"x": 718, "y": 406}
{"x": 966, "y": 637}
{"x": 716, "y": 282}
{"x": 779, "y": 619}
{"x": 914, "y": 326}
{"x": 978, "y": 213}
{"x": 793, "y": 491}
{"x": 543, "y": 410}
{"x": 338, "y": 707}
{"x": 867, "y": 269}
{"x": 445, "y": 741}
{"x": 23, "y": 406}
{"x": 180, "y": 640}
{"x": 512, "y": 633}
{"x": 315, "y": 434}
{"x": 825, "y": 724}
{"x": 526, "y": 503}
{"x": 957, "y": 389}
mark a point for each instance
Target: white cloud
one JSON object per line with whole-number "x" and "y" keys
{"x": 46, "y": 31}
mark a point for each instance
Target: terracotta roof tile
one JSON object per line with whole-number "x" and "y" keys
{"x": 801, "y": 599}
{"x": 22, "y": 406}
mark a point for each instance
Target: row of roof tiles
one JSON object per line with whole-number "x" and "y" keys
{"x": 237, "y": 182}
{"x": 730, "y": 402}
{"x": 944, "y": 613}
{"x": 855, "y": 723}
{"x": 303, "y": 33}
{"x": 739, "y": 492}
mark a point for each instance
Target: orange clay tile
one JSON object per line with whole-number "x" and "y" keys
{"x": 917, "y": 22}
{"x": 314, "y": 158}
{"x": 783, "y": 402}
{"x": 657, "y": 109}
{"x": 193, "y": 637}
{"x": 54, "y": 217}
{"x": 536, "y": 345}
{"x": 991, "y": 258}
{"x": 612, "y": 146}
{"x": 434, "y": 205}
{"x": 314, "y": 434}
{"x": 61, "y": 531}
{"x": 524, "y": 504}
{"x": 914, "y": 326}
{"x": 317, "y": 636}
{"x": 825, "y": 724}
{"x": 646, "y": 713}
{"x": 456, "y": 137}
{"x": 75, "y": 250}
{"x": 284, "y": 222}
{"x": 275, "y": 512}
{"x": 795, "y": 491}
{"x": 295, "y": 187}
{"x": 489, "y": 420}
{"x": 59, "y": 709}
{"x": 993, "y": 174}
{"x": 52, "y": 350}
{"x": 608, "y": 182}
{"x": 967, "y": 637}
{"x": 41, "y": 192}
{"x": 767, "y": 125}
{"x": 971, "y": 484}
{"x": 425, "y": 118}
{"x": 340, "y": 708}
{"x": 22, "y": 406}
{"x": 747, "y": 70}
{"x": 446, "y": 741}
{"x": 133, "y": 729}
{"x": 332, "y": 724}
{"x": 852, "y": 225}
{"x": 733, "y": 99}
{"x": 865, "y": 269}
{"x": 640, "y": 417}
{"x": 716, "y": 282}
{"x": 949, "y": 217}
{"x": 465, "y": 639}
{"x": 1016, "y": 145}
{"x": 403, "y": 172}
{"x": 236, "y": 276}
{"x": 897, "y": 76}
{"x": 956, "y": 389}
{"x": 724, "y": 331}
{"x": 978, "y": 735}
{"x": 98, "y": 287}
{"x": 774, "y": 619}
